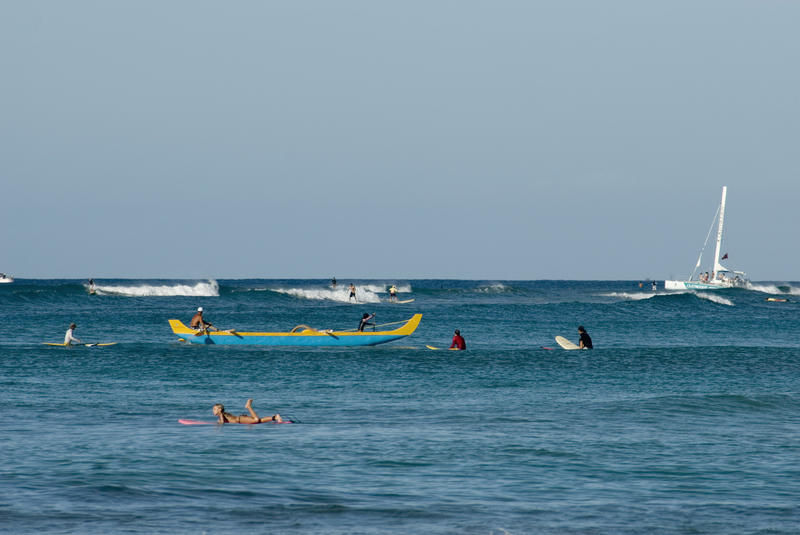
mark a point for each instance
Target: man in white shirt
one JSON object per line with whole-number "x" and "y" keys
{"x": 69, "y": 337}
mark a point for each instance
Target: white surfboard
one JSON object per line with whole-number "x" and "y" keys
{"x": 566, "y": 344}
{"x": 403, "y": 302}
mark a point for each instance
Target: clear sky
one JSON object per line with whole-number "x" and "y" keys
{"x": 422, "y": 139}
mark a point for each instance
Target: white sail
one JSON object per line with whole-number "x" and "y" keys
{"x": 720, "y": 276}
{"x": 718, "y": 268}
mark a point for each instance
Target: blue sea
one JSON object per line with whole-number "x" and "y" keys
{"x": 685, "y": 418}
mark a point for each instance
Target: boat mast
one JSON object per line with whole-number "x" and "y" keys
{"x": 717, "y": 266}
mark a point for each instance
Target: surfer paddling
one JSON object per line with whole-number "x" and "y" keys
{"x": 253, "y": 418}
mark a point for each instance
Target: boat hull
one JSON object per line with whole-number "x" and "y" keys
{"x": 308, "y": 337}
{"x": 697, "y": 285}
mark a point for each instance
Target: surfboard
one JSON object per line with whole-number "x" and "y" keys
{"x": 566, "y": 344}
{"x": 62, "y": 344}
{"x": 777, "y": 300}
{"x": 438, "y": 348}
{"x": 404, "y": 302}
{"x": 185, "y": 421}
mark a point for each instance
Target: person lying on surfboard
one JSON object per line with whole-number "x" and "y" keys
{"x": 69, "y": 336}
{"x": 586, "y": 340}
{"x": 458, "y": 341}
{"x": 228, "y": 418}
{"x": 199, "y": 323}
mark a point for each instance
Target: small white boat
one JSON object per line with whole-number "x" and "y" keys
{"x": 6, "y": 278}
{"x": 719, "y": 277}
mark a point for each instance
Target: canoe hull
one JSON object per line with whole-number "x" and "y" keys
{"x": 308, "y": 338}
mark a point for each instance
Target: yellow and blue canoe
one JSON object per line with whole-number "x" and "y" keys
{"x": 302, "y": 335}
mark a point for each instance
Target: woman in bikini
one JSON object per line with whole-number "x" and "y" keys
{"x": 228, "y": 418}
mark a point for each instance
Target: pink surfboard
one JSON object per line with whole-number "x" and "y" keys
{"x": 201, "y": 422}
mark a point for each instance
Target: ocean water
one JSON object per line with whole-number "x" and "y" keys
{"x": 684, "y": 419}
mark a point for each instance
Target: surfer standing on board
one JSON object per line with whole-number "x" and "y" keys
{"x": 228, "y": 418}
{"x": 352, "y": 293}
{"x": 458, "y": 341}
{"x": 198, "y": 323}
{"x": 586, "y": 340}
{"x": 392, "y": 293}
{"x": 69, "y": 336}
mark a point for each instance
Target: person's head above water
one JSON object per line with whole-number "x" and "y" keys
{"x": 72, "y": 326}
{"x": 581, "y": 329}
{"x": 458, "y": 332}
{"x": 218, "y": 409}
{"x": 199, "y": 309}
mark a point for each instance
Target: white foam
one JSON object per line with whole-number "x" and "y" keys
{"x": 774, "y": 289}
{"x": 200, "y": 289}
{"x": 342, "y": 295}
{"x": 634, "y": 296}
{"x": 714, "y": 298}
{"x": 497, "y": 287}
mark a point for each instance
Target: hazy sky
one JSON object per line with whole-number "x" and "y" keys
{"x": 455, "y": 139}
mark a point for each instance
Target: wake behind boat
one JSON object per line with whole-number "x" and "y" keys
{"x": 6, "y": 278}
{"x": 302, "y": 335}
{"x": 719, "y": 277}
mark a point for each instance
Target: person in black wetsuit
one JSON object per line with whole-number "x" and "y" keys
{"x": 365, "y": 321}
{"x": 586, "y": 340}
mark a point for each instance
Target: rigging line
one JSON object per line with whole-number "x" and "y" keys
{"x": 713, "y": 220}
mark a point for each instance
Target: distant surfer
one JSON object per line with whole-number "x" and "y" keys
{"x": 365, "y": 321}
{"x": 200, "y": 324}
{"x": 586, "y": 340}
{"x": 352, "y": 293}
{"x": 333, "y": 282}
{"x": 392, "y": 294}
{"x": 69, "y": 337}
{"x": 458, "y": 341}
{"x": 655, "y": 286}
{"x": 228, "y": 418}
{"x": 92, "y": 287}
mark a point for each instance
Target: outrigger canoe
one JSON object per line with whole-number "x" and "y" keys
{"x": 302, "y": 335}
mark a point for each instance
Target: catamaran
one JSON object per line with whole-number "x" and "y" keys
{"x": 719, "y": 277}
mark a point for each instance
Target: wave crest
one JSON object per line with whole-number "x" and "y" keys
{"x": 199, "y": 289}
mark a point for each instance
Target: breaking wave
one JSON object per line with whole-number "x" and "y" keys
{"x": 199, "y": 289}
{"x": 774, "y": 288}
{"x": 631, "y": 296}
{"x": 367, "y": 293}
{"x": 714, "y": 298}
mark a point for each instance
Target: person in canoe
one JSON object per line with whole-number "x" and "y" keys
{"x": 200, "y": 324}
{"x": 365, "y": 321}
{"x": 586, "y": 341}
{"x": 69, "y": 336}
{"x": 458, "y": 341}
{"x": 253, "y": 418}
